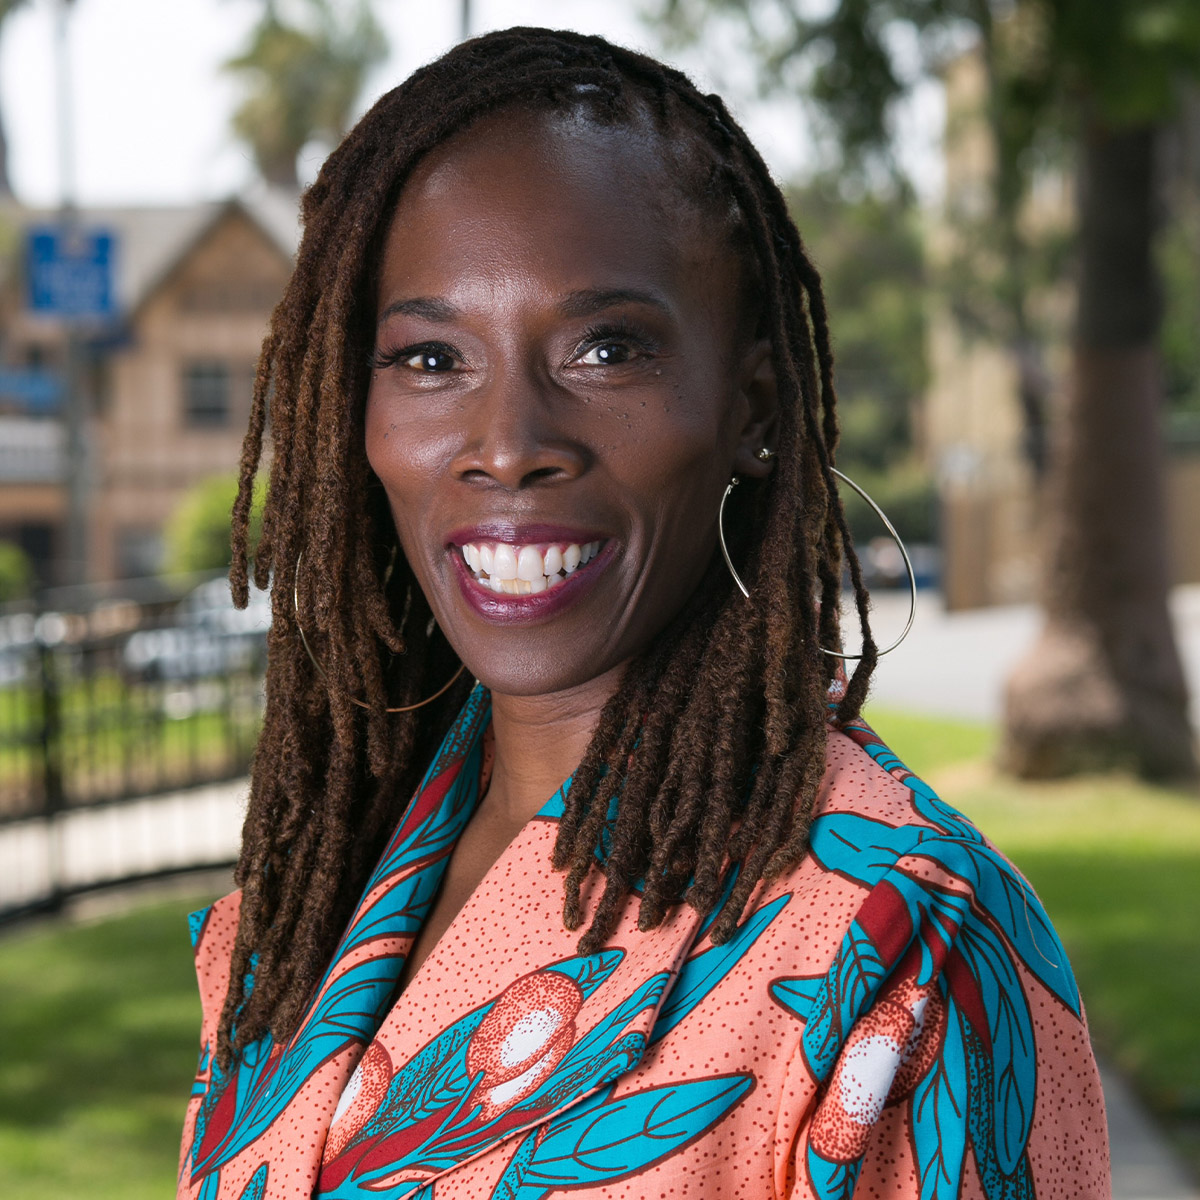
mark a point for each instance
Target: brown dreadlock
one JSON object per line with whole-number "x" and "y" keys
{"x": 713, "y": 746}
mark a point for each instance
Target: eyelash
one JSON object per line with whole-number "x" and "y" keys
{"x": 382, "y": 358}
{"x": 619, "y": 330}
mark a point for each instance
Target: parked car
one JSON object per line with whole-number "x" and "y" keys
{"x": 210, "y": 637}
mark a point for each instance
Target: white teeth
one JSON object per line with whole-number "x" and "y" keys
{"x": 505, "y": 560}
{"x": 523, "y": 570}
{"x": 529, "y": 564}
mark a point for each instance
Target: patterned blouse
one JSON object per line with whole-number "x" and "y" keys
{"x": 894, "y": 1018}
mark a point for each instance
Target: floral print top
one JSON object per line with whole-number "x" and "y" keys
{"x": 895, "y": 1018}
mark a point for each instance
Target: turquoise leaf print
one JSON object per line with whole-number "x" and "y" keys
{"x": 975, "y": 1081}
{"x": 702, "y": 972}
{"x": 798, "y": 996}
{"x": 832, "y": 1180}
{"x": 239, "y": 1107}
{"x": 939, "y": 1117}
{"x": 602, "y": 1140}
{"x": 458, "y": 1093}
{"x": 257, "y": 1187}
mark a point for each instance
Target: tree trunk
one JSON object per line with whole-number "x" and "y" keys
{"x": 1103, "y": 687}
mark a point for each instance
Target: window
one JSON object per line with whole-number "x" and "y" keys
{"x": 206, "y": 395}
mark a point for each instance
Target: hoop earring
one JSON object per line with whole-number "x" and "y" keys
{"x": 912, "y": 578}
{"x": 321, "y": 669}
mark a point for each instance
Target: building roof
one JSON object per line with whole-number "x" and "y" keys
{"x": 152, "y": 240}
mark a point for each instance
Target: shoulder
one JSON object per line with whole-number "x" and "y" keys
{"x": 944, "y": 992}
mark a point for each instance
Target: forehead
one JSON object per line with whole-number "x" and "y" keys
{"x": 553, "y": 189}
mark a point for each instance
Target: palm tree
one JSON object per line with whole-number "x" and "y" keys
{"x": 303, "y": 79}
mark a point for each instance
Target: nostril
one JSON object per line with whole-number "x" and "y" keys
{"x": 542, "y": 473}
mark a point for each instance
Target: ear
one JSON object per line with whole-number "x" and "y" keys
{"x": 759, "y": 406}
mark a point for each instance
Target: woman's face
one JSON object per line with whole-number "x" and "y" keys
{"x": 560, "y": 395}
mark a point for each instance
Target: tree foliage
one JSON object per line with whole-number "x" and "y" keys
{"x": 303, "y": 68}
{"x": 870, "y": 254}
{"x": 197, "y": 536}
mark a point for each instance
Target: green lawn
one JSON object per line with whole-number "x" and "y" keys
{"x": 98, "y": 1033}
{"x": 98, "y": 1022}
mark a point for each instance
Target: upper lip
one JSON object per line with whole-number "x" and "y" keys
{"x": 525, "y": 534}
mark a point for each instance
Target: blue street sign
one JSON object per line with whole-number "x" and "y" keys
{"x": 33, "y": 388}
{"x": 71, "y": 272}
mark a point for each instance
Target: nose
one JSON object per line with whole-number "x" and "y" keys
{"x": 520, "y": 432}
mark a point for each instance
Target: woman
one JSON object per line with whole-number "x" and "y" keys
{"x": 548, "y": 304}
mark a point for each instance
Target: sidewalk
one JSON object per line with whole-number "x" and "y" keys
{"x": 92, "y": 847}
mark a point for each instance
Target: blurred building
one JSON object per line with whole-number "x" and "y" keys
{"x": 166, "y": 384}
{"x": 991, "y": 405}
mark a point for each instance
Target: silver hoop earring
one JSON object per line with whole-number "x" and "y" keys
{"x": 912, "y": 578}
{"x": 316, "y": 662}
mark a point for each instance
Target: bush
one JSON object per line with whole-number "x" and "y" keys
{"x": 16, "y": 573}
{"x": 197, "y": 536}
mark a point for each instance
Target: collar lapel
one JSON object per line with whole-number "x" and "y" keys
{"x": 542, "y": 1044}
{"x": 356, "y": 990}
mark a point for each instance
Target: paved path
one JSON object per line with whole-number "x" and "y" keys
{"x": 94, "y": 846}
{"x": 955, "y": 664}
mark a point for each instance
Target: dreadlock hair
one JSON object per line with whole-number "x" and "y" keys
{"x": 713, "y": 746}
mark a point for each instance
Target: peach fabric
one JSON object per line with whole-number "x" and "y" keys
{"x": 895, "y": 1018}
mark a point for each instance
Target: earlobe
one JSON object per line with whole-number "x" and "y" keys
{"x": 760, "y": 401}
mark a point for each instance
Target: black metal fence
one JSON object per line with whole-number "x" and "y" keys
{"x": 109, "y": 698}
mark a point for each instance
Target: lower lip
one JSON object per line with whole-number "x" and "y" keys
{"x": 501, "y": 607}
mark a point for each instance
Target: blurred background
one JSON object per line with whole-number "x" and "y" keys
{"x": 1003, "y": 197}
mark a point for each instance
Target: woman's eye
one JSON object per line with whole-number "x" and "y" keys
{"x": 606, "y": 354}
{"x": 428, "y": 358}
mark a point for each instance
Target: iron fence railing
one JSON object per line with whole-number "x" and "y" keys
{"x": 115, "y": 696}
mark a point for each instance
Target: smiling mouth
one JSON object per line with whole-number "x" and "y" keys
{"x": 526, "y": 570}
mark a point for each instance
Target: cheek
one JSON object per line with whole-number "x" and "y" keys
{"x": 404, "y": 448}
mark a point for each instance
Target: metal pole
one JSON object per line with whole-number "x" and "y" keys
{"x": 465, "y": 20}
{"x": 75, "y": 565}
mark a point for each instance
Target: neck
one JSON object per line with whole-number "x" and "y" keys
{"x": 539, "y": 741}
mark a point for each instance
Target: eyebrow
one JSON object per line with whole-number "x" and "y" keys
{"x": 582, "y": 303}
{"x": 425, "y": 307}
{"x": 587, "y": 301}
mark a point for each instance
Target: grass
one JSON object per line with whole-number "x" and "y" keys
{"x": 98, "y": 1031}
{"x": 99, "y": 1021}
{"x": 119, "y": 737}
{"x": 1116, "y": 862}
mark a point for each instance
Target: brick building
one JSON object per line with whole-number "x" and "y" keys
{"x": 166, "y": 386}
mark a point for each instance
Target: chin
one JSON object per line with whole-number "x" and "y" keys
{"x": 535, "y": 676}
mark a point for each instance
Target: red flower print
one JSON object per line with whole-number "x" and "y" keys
{"x": 363, "y": 1095}
{"x": 885, "y": 1056}
{"x": 524, "y": 1037}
